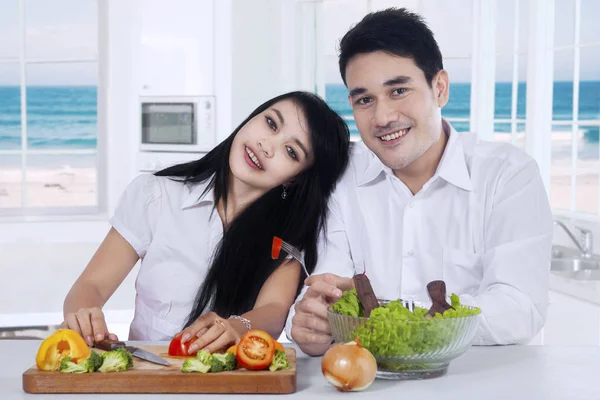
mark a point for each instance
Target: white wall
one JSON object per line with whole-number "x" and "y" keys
{"x": 257, "y": 55}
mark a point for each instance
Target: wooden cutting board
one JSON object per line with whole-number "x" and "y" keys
{"x": 146, "y": 377}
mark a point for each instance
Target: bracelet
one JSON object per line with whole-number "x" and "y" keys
{"x": 243, "y": 320}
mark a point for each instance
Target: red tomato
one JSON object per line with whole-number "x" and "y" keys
{"x": 255, "y": 350}
{"x": 276, "y": 248}
{"x": 176, "y": 348}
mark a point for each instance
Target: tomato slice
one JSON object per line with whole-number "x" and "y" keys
{"x": 276, "y": 248}
{"x": 255, "y": 350}
{"x": 176, "y": 348}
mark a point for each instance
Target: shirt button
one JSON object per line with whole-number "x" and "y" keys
{"x": 410, "y": 204}
{"x": 409, "y": 253}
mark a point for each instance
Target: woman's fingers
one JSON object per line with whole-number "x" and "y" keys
{"x": 202, "y": 323}
{"x": 71, "y": 323}
{"x": 89, "y": 323}
{"x": 209, "y": 337}
{"x": 221, "y": 342}
{"x": 100, "y": 330}
{"x": 87, "y": 332}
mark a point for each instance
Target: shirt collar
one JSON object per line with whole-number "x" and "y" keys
{"x": 452, "y": 168}
{"x": 367, "y": 166}
{"x": 197, "y": 193}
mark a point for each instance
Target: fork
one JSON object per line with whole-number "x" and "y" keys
{"x": 292, "y": 251}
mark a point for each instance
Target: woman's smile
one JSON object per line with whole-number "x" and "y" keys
{"x": 252, "y": 159}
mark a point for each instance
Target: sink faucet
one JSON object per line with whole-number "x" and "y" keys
{"x": 585, "y": 244}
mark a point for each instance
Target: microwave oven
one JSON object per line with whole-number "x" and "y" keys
{"x": 177, "y": 123}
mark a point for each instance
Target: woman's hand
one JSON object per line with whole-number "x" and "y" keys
{"x": 210, "y": 332}
{"x": 89, "y": 323}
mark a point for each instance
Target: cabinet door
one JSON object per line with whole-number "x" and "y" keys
{"x": 571, "y": 321}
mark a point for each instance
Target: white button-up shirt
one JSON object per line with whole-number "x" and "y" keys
{"x": 175, "y": 231}
{"x": 482, "y": 224}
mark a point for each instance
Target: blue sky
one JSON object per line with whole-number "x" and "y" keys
{"x": 68, "y": 28}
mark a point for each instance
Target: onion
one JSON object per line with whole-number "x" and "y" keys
{"x": 349, "y": 367}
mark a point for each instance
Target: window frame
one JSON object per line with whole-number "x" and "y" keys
{"x": 51, "y": 212}
{"x": 575, "y": 122}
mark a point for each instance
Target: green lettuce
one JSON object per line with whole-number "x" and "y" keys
{"x": 394, "y": 331}
{"x": 348, "y": 304}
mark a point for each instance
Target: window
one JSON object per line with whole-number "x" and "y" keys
{"x": 48, "y": 107}
{"x": 511, "y": 69}
{"x": 575, "y": 171}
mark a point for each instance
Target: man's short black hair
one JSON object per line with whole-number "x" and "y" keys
{"x": 398, "y": 32}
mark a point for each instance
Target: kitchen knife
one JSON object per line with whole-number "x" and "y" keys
{"x": 109, "y": 344}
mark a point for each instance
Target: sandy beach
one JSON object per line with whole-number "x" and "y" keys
{"x": 49, "y": 187}
{"x": 68, "y": 185}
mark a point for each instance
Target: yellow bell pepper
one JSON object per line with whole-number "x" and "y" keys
{"x": 62, "y": 343}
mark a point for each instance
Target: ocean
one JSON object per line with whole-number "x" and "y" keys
{"x": 65, "y": 117}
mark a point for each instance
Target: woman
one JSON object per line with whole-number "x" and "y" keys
{"x": 210, "y": 273}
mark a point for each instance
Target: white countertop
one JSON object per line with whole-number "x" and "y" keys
{"x": 502, "y": 372}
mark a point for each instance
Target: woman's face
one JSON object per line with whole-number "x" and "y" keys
{"x": 272, "y": 148}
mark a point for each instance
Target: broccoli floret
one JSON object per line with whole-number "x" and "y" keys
{"x": 67, "y": 366}
{"x": 204, "y": 357}
{"x": 216, "y": 365}
{"x": 279, "y": 361}
{"x": 90, "y": 364}
{"x": 93, "y": 362}
{"x": 202, "y": 363}
{"x": 116, "y": 360}
{"x": 195, "y": 365}
{"x": 226, "y": 362}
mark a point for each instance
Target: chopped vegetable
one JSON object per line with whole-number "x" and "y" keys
{"x": 393, "y": 330}
{"x": 276, "y": 247}
{"x": 195, "y": 365}
{"x": 223, "y": 362}
{"x": 278, "y": 346}
{"x": 203, "y": 362}
{"x": 255, "y": 350}
{"x": 61, "y": 344}
{"x": 90, "y": 364}
{"x": 232, "y": 349}
{"x": 348, "y": 304}
{"x": 116, "y": 360}
{"x": 177, "y": 348}
{"x": 279, "y": 361}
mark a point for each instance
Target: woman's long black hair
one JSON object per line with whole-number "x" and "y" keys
{"x": 242, "y": 261}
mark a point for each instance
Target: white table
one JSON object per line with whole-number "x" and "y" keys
{"x": 507, "y": 373}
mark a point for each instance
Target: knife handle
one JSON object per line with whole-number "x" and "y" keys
{"x": 108, "y": 344}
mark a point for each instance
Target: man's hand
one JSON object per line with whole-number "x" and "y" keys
{"x": 310, "y": 326}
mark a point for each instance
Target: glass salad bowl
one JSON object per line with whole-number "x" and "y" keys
{"x": 404, "y": 343}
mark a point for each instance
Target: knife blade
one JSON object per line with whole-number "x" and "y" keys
{"x": 108, "y": 344}
{"x": 146, "y": 355}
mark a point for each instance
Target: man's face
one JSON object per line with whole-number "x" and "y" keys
{"x": 397, "y": 113}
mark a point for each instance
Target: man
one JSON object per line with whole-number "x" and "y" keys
{"x": 420, "y": 202}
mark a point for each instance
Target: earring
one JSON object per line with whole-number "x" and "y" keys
{"x": 284, "y": 193}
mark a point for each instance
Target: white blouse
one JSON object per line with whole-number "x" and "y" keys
{"x": 175, "y": 230}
